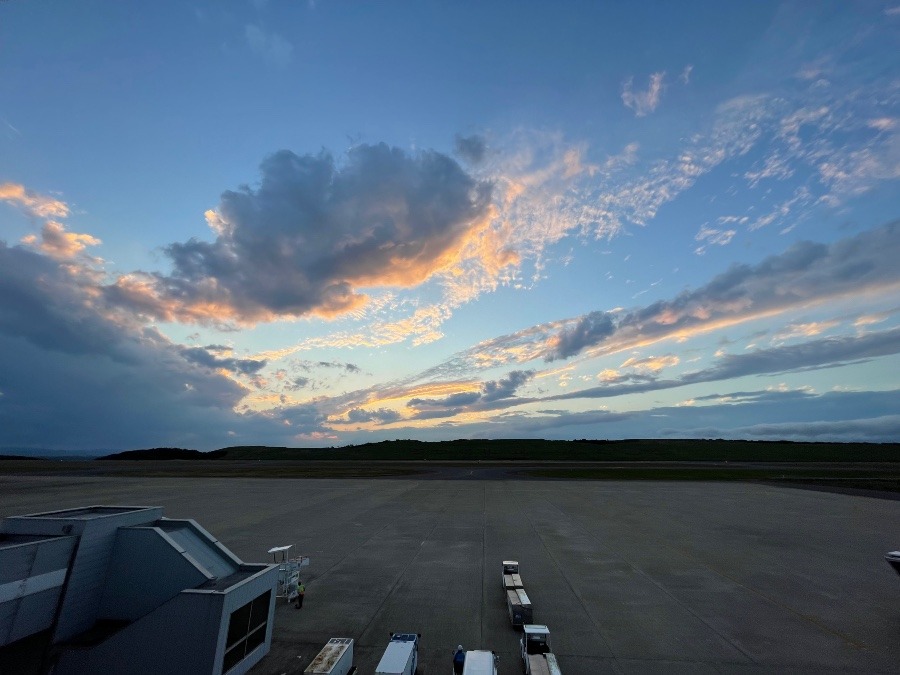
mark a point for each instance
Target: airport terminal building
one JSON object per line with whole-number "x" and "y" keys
{"x": 121, "y": 589}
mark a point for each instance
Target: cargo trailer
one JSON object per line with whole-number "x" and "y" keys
{"x": 336, "y": 658}
{"x": 519, "y": 606}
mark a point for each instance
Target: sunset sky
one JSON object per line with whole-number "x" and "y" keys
{"x": 316, "y": 223}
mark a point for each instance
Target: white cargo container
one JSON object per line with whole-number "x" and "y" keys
{"x": 480, "y": 662}
{"x": 401, "y": 656}
{"x": 336, "y": 658}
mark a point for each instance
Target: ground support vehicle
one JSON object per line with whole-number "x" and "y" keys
{"x": 401, "y": 656}
{"x": 511, "y": 578}
{"x": 893, "y": 559}
{"x": 537, "y": 655}
{"x": 519, "y": 606}
{"x": 336, "y": 658}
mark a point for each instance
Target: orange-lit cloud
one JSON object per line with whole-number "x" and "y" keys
{"x": 806, "y": 275}
{"x": 653, "y": 364}
{"x": 40, "y": 206}
{"x": 56, "y": 242}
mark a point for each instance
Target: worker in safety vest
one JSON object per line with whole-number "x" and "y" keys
{"x": 459, "y": 660}
{"x": 301, "y": 590}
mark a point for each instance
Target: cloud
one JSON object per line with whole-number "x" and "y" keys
{"x": 851, "y": 416}
{"x": 588, "y": 330}
{"x": 58, "y": 243}
{"x": 803, "y": 330}
{"x": 685, "y": 76}
{"x": 644, "y": 102}
{"x": 471, "y": 148}
{"x": 710, "y": 236}
{"x": 804, "y": 275}
{"x": 823, "y": 353}
{"x": 379, "y": 416}
{"x": 653, "y": 364}
{"x": 272, "y": 47}
{"x": 313, "y": 233}
{"x": 492, "y": 395}
{"x": 883, "y": 428}
{"x": 34, "y": 204}
{"x": 77, "y": 374}
{"x": 506, "y": 387}
{"x": 203, "y": 357}
{"x": 313, "y": 365}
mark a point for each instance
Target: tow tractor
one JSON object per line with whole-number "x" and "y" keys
{"x": 537, "y": 656}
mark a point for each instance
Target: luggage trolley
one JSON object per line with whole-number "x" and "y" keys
{"x": 288, "y": 571}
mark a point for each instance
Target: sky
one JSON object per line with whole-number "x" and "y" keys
{"x": 316, "y": 223}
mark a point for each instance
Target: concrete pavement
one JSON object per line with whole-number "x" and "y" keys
{"x": 631, "y": 577}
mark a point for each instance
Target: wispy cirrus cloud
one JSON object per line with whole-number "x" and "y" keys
{"x": 270, "y": 46}
{"x": 712, "y": 236}
{"x": 805, "y": 275}
{"x": 645, "y": 102}
{"x": 825, "y": 352}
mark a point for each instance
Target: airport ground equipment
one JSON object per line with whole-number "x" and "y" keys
{"x": 401, "y": 656}
{"x": 288, "y": 571}
{"x": 893, "y": 559}
{"x": 537, "y": 655}
{"x": 511, "y": 578}
{"x": 336, "y": 658}
{"x": 519, "y": 606}
{"x": 480, "y": 662}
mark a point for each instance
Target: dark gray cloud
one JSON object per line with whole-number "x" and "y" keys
{"x": 471, "y": 148}
{"x": 505, "y": 387}
{"x": 843, "y": 416}
{"x": 380, "y": 416}
{"x": 493, "y": 395}
{"x": 203, "y": 357}
{"x": 76, "y": 374}
{"x": 825, "y": 352}
{"x": 312, "y": 365}
{"x": 312, "y": 233}
{"x": 452, "y": 401}
{"x": 588, "y": 330}
{"x": 297, "y": 383}
{"x": 806, "y": 271}
{"x": 44, "y": 302}
{"x": 878, "y": 429}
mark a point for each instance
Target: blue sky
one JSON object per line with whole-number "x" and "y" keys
{"x": 320, "y": 223}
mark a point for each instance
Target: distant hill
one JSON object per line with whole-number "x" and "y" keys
{"x": 660, "y": 450}
{"x": 165, "y": 453}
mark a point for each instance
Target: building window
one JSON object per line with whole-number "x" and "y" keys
{"x": 246, "y": 630}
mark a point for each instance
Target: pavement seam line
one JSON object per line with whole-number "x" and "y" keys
{"x": 666, "y": 591}
{"x": 825, "y": 628}
{"x": 565, "y": 576}
{"x": 400, "y": 576}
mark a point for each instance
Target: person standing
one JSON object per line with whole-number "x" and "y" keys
{"x": 459, "y": 660}
{"x": 301, "y": 591}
